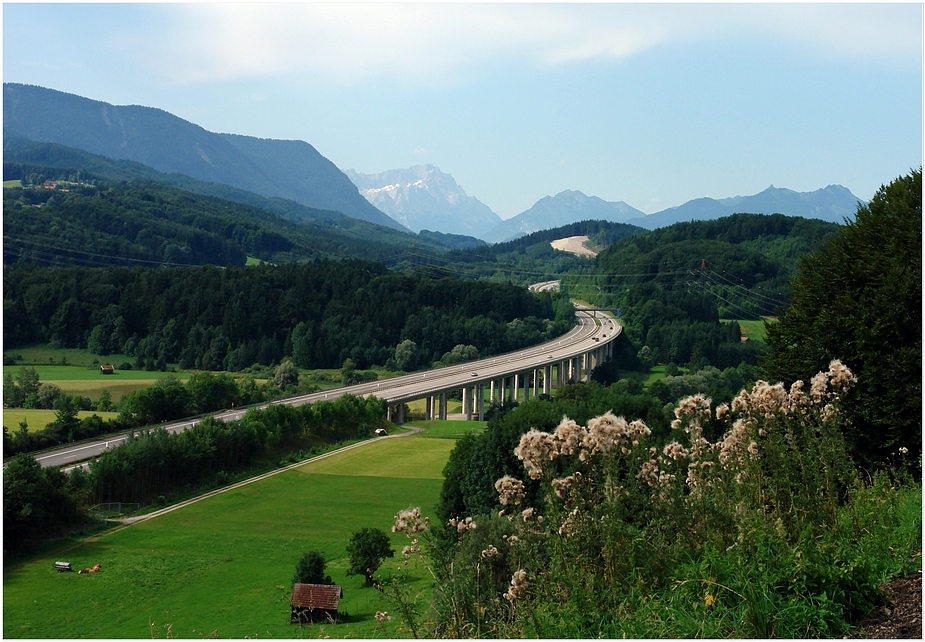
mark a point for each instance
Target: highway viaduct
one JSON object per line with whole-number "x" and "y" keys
{"x": 532, "y": 371}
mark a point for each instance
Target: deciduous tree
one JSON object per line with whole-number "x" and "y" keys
{"x": 367, "y": 549}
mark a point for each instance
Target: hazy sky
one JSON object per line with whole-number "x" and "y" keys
{"x": 651, "y": 104}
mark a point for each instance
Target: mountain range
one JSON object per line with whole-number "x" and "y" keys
{"x": 414, "y": 199}
{"x": 425, "y": 198}
{"x": 287, "y": 169}
{"x": 833, "y": 204}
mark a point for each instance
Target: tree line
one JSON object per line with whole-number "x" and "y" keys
{"x": 167, "y": 400}
{"x": 318, "y": 313}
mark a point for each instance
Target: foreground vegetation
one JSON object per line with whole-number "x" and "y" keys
{"x": 763, "y": 530}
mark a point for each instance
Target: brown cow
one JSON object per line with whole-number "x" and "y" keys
{"x": 92, "y": 569}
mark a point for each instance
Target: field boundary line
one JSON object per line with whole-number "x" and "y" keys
{"x": 128, "y": 521}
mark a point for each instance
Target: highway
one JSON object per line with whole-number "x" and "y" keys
{"x": 592, "y": 332}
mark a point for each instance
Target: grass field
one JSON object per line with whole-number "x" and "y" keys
{"x": 754, "y": 330}
{"x": 38, "y": 419}
{"x": 225, "y": 564}
{"x": 45, "y": 355}
{"x": 90, "y": 382}
{"x": 16, "y": 183}
{"x": 655, "y": 373}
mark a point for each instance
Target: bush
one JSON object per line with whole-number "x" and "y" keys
{"x": 310, "y": 569}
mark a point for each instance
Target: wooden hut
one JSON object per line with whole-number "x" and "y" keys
{"x": 314, "y": 602}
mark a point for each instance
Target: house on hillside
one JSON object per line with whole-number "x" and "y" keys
{"x": 314, "y": 603}
{"x": 107, "y": 369}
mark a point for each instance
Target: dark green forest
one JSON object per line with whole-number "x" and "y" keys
{"x": 319, "y": 314}
{"x": 674, "y": 285}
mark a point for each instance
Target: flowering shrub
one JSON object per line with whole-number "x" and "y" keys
{"x": 743, "y": 528}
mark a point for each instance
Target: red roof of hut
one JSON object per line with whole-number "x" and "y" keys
{"x": 317, "y": 596}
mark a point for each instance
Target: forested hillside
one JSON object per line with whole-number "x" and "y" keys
{"x": 673, "y": 285}
{"x": 148, "y": 223}
{"x": 528, "y": 259}
{"x": 320, "y": 233}
{"x": 319, "y": 313}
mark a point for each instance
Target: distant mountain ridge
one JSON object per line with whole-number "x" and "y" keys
{"x": 287, "y": 169}
{"x": 565, "y": 207}
{"x": 424, "y": 198}
{"x": 833, "y": 204}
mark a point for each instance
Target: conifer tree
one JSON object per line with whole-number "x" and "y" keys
{"x": 858, "y": 298}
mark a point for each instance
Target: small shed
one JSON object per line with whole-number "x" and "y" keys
{"x": 314, "y": 602}
{"x": 107, "y": 369}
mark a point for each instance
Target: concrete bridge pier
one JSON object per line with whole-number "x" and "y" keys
{"x": 466, "y": 403}
{"x": 429, "y": 409}
{"x": 443, "y": 403}
{"x": 547, "y": 380}
{"x": 396, "y": 413}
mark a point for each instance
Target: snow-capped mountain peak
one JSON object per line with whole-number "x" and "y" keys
{"x": 423, "y": 197}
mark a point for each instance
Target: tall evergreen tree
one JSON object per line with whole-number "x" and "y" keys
{"x": 858, "y": 298}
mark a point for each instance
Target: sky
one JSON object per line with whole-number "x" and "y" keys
{"x": 652, "y": 104}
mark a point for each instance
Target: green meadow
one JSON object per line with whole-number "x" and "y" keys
{"x": 38, "y": 419}
{"x": 82, "y": 377}
{"x": 224, "y": 566}
{"x": 447, "y": 429}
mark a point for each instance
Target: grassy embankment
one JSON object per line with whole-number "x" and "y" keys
{"x": 225, "y": 564}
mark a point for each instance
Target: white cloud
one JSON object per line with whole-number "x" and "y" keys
{"x": 441, "y": 44}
